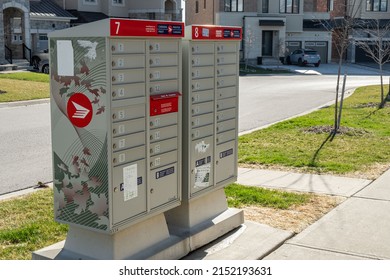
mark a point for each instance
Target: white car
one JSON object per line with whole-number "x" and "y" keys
{"x": 303, "y": 57}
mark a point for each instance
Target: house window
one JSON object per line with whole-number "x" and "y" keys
{"x": 376, "y": 5}
{"x": 289, "y": 6}
{"x": 90, "y": 2}
{"x": 118, "y": 2}
{"x": 234, "y": 5}
{"x": 197, "y": 7}
{"x": 265, "y": 7}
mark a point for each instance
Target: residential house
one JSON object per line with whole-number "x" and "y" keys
{"x": 24, "y": 24}
{"x": 274, "y": 28}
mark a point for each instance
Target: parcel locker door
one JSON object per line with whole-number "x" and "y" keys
{"x": 226, "y": 162}
{"x": 202, "y": 171}
{"x": 163, "y": 185}
{"x": 129, "y": 191}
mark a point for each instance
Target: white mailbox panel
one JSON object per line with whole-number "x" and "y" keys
{"x": 211, "y": 57}
{"x": 117, "y": 121}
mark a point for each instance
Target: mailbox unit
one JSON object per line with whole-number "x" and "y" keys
{"x": 210, "y": 129}
{"x": 116, "y": 122}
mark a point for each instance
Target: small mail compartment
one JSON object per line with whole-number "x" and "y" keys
{"x": 202, "y": 72}
{"x": 226, "y": 47}
{"x": 163, "y": 159}
{"x": 229, "y": 58}
{"x": 226, "y": 81}
{"x": 202, "y": 120}
{"x": 161, "y": 147}
{"x": 202, "y": 158}
{"x": 199, "y": 47}
{"x": 163, "y": 120}
{"x": 160, "y": 60}
{"x": 163, "y": 185}
{"x": 226, "y": 92}
{"x": 129, "y": 191}
{"x": 164, "y": 86}
{"x": 127, "y": 76}
{"x": 129, "y": 155}
{"x": 127, "y": 46}
{"x": 202, "y": 108}
{"x": 164, "y": 73}
{"x": 226, "y": 136}
{"x": 226, "y": 125}
{"x": 202, "y": 60}
{"x": 127, "y": 113}
{"x": 227, "y": 103}
{"x": 226, "y": 162}
{"x": 202, "y": 96}
{"x": 157, "y": 46}
{"x": 128, "y": 91}
{"x": 128, "y": 141}
{"x": 202, "y": 131}
{"x": 128, "y": 61}
{"x": 226, "y": 114}
{"x": 163, "y": 133}
{"x": 128, "y": 127}
{"x": 226, "y": 70}
{"x": 202, "y": 84}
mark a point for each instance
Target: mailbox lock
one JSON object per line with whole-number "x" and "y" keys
{"x": 193, "y": 49}
{"x": 151, "y": 164}
{"x": 113, "y": 64}
{"x": 113, "y": 48}
{"x": 192, "y": 171}
{"x": 114, "y": 146}
{"x": 114, "y": 131}
{"x": 150, "y": 47}
{"x": 113, "y": 94}
{"x": 151, "y": 123}
{"x": 151, "y": 190}
{"x": 217, "y": 162}
{"x": 151, "y": 61}
{"x": 113, "y": 79}
{"x": 151, "y": 75}
{"x": 151, "y": 151}
{"x": 114, "y": 116}
{"x": 151, "y": 137}
{"x": 193, "y": 62}
{"x": 218, "y": 60}
{"x": 114, "y": 160}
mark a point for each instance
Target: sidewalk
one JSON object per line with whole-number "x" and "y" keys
{"x": 359, "y": 228}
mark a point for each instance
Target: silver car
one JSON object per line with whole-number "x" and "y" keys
{"x": 303, "y": 57}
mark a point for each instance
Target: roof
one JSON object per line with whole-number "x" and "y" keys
{"x": 85, "y": 17}
{"x": 48, "y": 9}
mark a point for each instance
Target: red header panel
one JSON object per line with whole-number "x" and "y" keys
{"x": 200, "y": 32}
{"x": 146, "y": 28}
{"x": 166, "y": 103}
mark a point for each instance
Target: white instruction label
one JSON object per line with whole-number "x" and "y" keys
{"x": 130, "y": 189}
{"x": 202, "y": 176}
{"x": 65, "y": 58}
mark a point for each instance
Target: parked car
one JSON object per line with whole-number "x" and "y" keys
{"x": 43, "y": 66}
{"x": 303, "y": 57}
{"x": 38, "y": 57}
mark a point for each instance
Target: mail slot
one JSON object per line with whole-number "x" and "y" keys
{"x": 163, "y": 159}
{"x": 163, "y": 73}
{"x": 128, "y": 61}
{"x": 198, "y": 48}
{"x": 202, "y": 72}
{"x": 226, "y": 114}
{"x": 202, "y": 60}
{"x": 128, "y": 91}
{"x": 163, "y": 133}
{"x": 202, "y": 108}
{"x": 159, "y": 87}
{"x": 226, "y": 81}
{"x": 227, "y": 103}
{"x": 202, "y": 96}
{"x": 202, "y": 120}
{"x": 128, "y": 141}
{"x": 127, "y": 46}
{"x": 166, "y": 103}
{"x": 163, "y": 120}
{"x": 127, "y": 127}
{"x": 226, "y": 125}
{"x": 226, "y": 48}
{"x": 127, "y": 113}
{"x": 129, "y": 155}
{"x": 226, "y": 92}
{"x": 227, "y": 70}
{"x": 202, "y": 131}
{"x": 164, "y": 146}
{"x": 202, "y": 84}
{"x": 128, "y": 76}
{"x": 223, "y": 59}
{"x": 161, "y": 60}
{"x": 163, "y": 46}
{"x": 226, "y": 136}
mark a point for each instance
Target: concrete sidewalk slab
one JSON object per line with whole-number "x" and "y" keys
{"x": 358, "y": 227}
{"x": 250, "y": 241}
{"x": 379, "y": 189}
{"x": 323, "y": 184}
{"x": 295, "y": 252}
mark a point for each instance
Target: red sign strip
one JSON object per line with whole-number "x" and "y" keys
{"x": 210, "y": 32}
{"x": 166, "y": 103}
{"x": 146, "y": 28}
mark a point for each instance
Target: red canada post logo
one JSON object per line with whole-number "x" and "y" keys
{"x": 79, "y": 110}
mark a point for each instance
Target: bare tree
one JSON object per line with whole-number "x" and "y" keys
{"x": 341, "y": 27}
{"x": 376, "y": 46}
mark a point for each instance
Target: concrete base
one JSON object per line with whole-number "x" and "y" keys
{"x": 149, "y": 239}
{"x": 204, "y": 219}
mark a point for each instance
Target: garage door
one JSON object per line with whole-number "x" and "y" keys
{"x": 360, "y": 55}
{"x": 320, "y": 47}
{"x": 292, "y": 46}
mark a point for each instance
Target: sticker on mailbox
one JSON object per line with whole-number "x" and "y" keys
{"x": 202, "y": 176}
{"x": 226, "y": 153}
{"x": 130, "y": 182}
{"x": 166, "y": 103}
{"x": 79, "y": 109}
{"x": 165, "y": 172}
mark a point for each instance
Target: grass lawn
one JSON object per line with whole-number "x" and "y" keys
{"x": 23, "y": 86}
{"x": 27, "y": 223}
{"x": 361, "y": 150}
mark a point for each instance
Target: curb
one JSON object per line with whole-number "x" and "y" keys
{"x": 24, "y": 103}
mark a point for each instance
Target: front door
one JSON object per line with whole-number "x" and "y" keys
{"x": 267, "y": 43}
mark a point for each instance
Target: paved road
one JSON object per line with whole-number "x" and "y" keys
{"x": 25, "y": 144}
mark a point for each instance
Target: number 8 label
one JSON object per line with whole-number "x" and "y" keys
{"x": 196, "y": 32}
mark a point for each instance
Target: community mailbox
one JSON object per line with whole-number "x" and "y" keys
{"x": 210, "y": 125}
{"x": 116, "y": 122}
